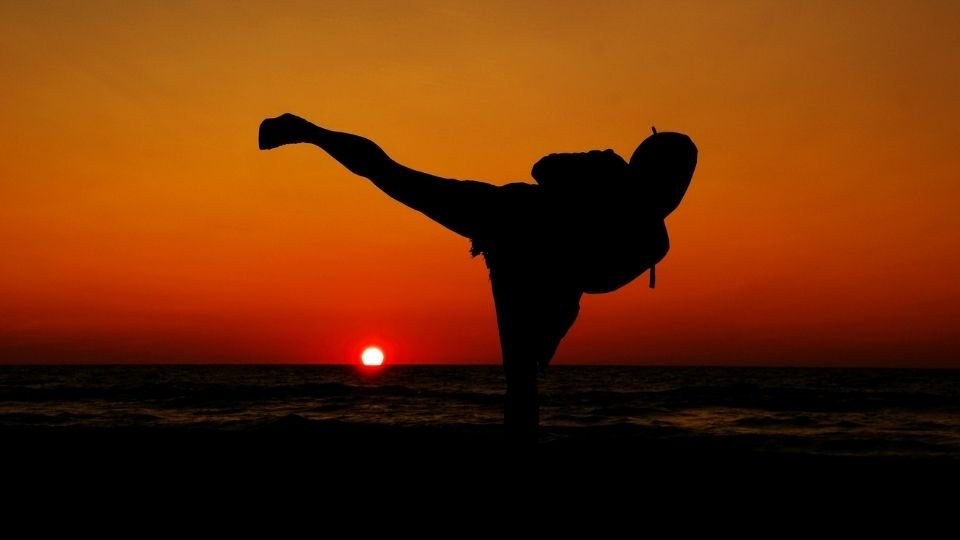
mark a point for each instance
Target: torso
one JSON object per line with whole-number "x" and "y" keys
{"x": 569, "y": 244}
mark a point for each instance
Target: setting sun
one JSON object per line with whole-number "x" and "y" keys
{"x": 372, "y": 356}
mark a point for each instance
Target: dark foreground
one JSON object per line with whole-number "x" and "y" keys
{"x": 599, "y": 423}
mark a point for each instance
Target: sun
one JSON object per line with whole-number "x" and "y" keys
{"x": 372, "y": 356}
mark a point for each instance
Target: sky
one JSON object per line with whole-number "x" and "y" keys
{"x": 140, "y": 223}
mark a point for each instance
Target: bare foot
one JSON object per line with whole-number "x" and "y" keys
{"x": 284, "y": 129}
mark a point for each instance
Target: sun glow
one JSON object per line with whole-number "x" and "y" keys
{"x": 372, "y": 356}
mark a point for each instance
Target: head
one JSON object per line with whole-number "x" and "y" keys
{"x": 661, "y": 169}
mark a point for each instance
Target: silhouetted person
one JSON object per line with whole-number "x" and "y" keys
{"x": 592, "y": 223}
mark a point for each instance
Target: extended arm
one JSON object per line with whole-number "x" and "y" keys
{"x": 463, "y": 206}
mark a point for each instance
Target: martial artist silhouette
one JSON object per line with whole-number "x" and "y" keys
{"x": 591, "y": 224}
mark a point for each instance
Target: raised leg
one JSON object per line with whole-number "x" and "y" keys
{"x": 464, "y": 206}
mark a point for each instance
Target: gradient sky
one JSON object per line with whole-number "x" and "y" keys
{"x": 139, "y": 222}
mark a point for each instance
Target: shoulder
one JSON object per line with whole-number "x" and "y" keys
{"x": 566, "y": 170}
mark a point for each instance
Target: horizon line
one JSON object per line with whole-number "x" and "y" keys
{"x": 497, "y": 365}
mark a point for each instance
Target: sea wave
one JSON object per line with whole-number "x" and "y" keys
{"x": 842, "y": 412}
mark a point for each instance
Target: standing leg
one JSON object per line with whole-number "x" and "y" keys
{"x": 532, "y": 318}
{"x": 521, "y": 408}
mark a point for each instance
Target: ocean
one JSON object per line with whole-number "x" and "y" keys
{"x": 852, "y": 413}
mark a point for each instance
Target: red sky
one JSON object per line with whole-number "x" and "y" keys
{"x": 139, "y": 222}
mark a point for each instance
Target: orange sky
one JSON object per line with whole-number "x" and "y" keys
{"x": 139, "y": 222}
